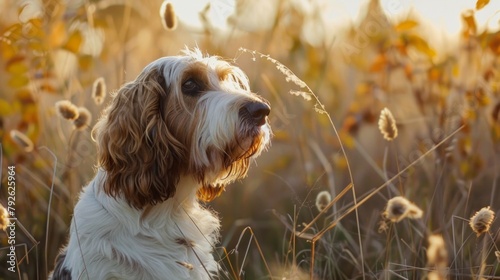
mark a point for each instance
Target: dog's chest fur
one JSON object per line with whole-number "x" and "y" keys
{"x": 175, "y": 237}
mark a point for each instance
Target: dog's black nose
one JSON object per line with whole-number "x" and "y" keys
{"x": 257, "y": 111}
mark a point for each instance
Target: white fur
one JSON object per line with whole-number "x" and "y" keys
{"x": 109, "y": 239}
{"x": 147, "y": 245}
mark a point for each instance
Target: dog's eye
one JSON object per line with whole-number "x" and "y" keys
{"x": 191, "y": 87}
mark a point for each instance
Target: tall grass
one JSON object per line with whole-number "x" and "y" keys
{"x": 328, "y": 97}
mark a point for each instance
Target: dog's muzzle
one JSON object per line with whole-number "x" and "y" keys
{"x": 256, "y": 112}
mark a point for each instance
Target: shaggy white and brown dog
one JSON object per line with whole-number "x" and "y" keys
{"x": 184, "y": 129}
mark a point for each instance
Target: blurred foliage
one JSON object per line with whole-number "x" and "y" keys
{"x": 53, "y": 50}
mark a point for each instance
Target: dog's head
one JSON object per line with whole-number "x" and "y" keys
{"x": 186, "y": 115}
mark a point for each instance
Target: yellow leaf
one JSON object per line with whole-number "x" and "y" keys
{"x": 85, "y": 62}
{"x": 434, "y": 74}
{"x": 16, "y": 67}
{"x": 340, "y": 161}
{"x": 18, "y": 81}
{"x": 421, "y": 45}
{"x": 471, "y": 166}
{"x": 455, "y": 70}
{"x": 33, "y": 28}
{"x": 470, "y": 114}
{"x": 24, "y": 96}
{"x": 406, "y": 25}
{"x": 482, "y": 98}
{"x": 363, "y": 89}
{"x": 15, "y": 59}
{"x": 470, "y": 27}
{"x": 379, "y": 64}
{"x": 30, "y": 113}
{"x": 481, "y": 3}
{"x": 347, "y": 140}
{"x": 47, "y": 88}
{"x": 8, "y": 51}
{"x": 5, "y": 108}
{"x": 350, "y": 124}
{"x": 74, "y": 42}
{"x": 494, "y": 43}
{"x": 57, "y": 34}
{"x": 36, "y": 46}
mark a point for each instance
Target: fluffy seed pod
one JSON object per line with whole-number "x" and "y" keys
{"x": 437, "y": 258}
{"x": 481, "y": 221}
{"x": 322, "y": 200}
{"x": 4, "y": 218}
{"x": 99, "y": 90}
{"x": 387, "y": 125}
{"x": 83, "y": 120}
{"x": 67, "y": 110}
{"x": 399, "y": 208}
{"x": 437, "y": 255}
{"x": 22, "y": 140}
{"x": 168, "y": 16}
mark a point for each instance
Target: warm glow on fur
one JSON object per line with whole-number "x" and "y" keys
{"x": 180, "y": 132}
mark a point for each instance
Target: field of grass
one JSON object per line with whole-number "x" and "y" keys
{"x": 348, "y": 189}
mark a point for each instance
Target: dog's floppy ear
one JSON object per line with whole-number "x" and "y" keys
{"x": 141, "y": 157}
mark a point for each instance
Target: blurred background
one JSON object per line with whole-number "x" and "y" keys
{"x": 434, "y": 65}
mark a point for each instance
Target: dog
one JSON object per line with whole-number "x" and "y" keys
{"x": 185, "y": 128}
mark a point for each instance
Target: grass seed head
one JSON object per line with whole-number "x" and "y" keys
{"x": 437, "y": 255}
{"x": 497, "y": 254}
{"x": 387, "y": 125}
{"x": 67, "y": 110}
{"x": 322, "y": 200}
{"x": 399, "y": 208}
{"x": 168, "y": 16}
{"x": 99, "y": 91}
{"x": 435, "y": 275}
{"x": 414, "y": 212}
{"x": 83, "y": 120}
{"x": 437, "y": 258}
{"x": 22, "y": 140}
{"x": 481, "y": 221}
{"x": 4, "y": 218}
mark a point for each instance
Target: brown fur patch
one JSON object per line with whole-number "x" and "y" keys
{"x": 60, "y": 272}
{"x": 136, "y": 145}
{"x": 209, "y": 193}
{"x": 197, "y": 72}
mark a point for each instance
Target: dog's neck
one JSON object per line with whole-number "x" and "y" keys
{"x": 180, "y": 206}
